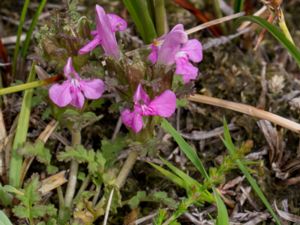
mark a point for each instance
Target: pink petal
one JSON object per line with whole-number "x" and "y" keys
{"x": 92, "y": 89}
{"x": 94, "y": 32}
{"x": 60, "y": 94}
{"x": 77, "y": 98}
{"x": 90, "y": 45}
{"x": 127, "y": 117}
{"x": 105, "y": 31}
{"x": 193, "y": 48}
{"x": 185, "y": 68}
{"x": 154, "y": 54}
{"x": 141, "y": 95}
{"x": 133, "y": 120}
{"x": 69, "y": 69}
{"x": 171, "y": 45}
{"x": 164, "y": 105}
{"x": 137, "y": 125}
{"x": 188, "y": 77}
{"x": 178, "y": 27}
{"x": 117, "y": 23}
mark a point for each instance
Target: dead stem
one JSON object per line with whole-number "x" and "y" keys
{"x": 247, "y": 109}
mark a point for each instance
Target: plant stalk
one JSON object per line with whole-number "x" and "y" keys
{"x": 29, "y": 85}
{"x": 160, "y": 17}
{"x": 76, "y": 140}
{"x": 127, "y": 167}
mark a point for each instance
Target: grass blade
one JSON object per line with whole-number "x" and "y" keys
{"x": 141, "y": 17}
{"x": 231, "y": 148}
{"x": 222, "y": 218}
{"x": 238, "y": 5}
{"x": 276, "y": 32}
{"x": 185, "y": 147}
{"x": 172, "y": 177}
{"x": 31, "y": 28}
{"x": 3, "y": 219}
{"x": 21, "y": 23}
{"x": 21, "y": 133}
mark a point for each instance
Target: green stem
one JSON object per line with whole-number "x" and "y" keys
{"x": 219, "y": 14}
{"x": 29, "y": 85}
{"x": 83, "y": 186}
{"x": 160, "y": 17}
{"x": 127, "y": 167}
{"x": 76, "y": 140}
{"x": 16, "y": 51}
{"x": 61, "y": 199}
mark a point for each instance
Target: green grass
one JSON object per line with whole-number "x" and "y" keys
{"x": 21, "y": 134}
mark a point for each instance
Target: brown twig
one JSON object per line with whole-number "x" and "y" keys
{"x": 246, "y": 109}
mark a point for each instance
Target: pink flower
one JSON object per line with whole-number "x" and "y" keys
{"x": 73, "y": 90}
{"x": 163, "y": 105}
{"x": 177, "y": 49}
{"x": 104, "y": 35}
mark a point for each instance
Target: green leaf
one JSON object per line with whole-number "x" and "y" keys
{"x": 276, "y": 32}
{"x": 95, "y": 160}
{"x": 19, "y": 33}
{"x": 5, "y": 197}
{"x": 31, "y": 28}
{"x": 37, "y": 150}
{"x": 21, "y": 134}
{"x": 135, "y": 200}
{"x": 3, "y": 219}
{"x": 141, "y": 17}
{"x": 222, "y": 218}
{"x": 185, "y": 147}
{"x": 238, "y": 5}
{"x": 111, "y": 148}
{"x": 172, "y": 177}
{"x": 232, "y": 151}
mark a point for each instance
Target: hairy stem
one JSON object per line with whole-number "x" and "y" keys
{"x": 127, "y": 167}
{"x": 76, "y": 140}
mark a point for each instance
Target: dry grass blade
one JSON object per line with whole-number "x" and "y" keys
{"x": 247, "y": 109}
{"x": 44, "y": 136}
{"x": 3, "y": 136}
{"x": 53, "y": 182}
{"x": 287, "y": 216}
{"x": 214, "y": 22}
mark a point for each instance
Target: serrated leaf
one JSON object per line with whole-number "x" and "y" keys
{"x": 95, "y": 161}
{"x": 135, "y": 200}
{"x": 37, "y": 150}
{"x": 21, "y": 212}
{"x": 111, "y": 149}
{"x": 43, "y": 210}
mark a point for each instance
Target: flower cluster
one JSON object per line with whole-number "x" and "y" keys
{"x": 163, "y": 105}
{"x": 172, "y": 49}
{"x": 73, "y": 90}
{"x": 104, "y": 35}
{"x": 177, "y": 49}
